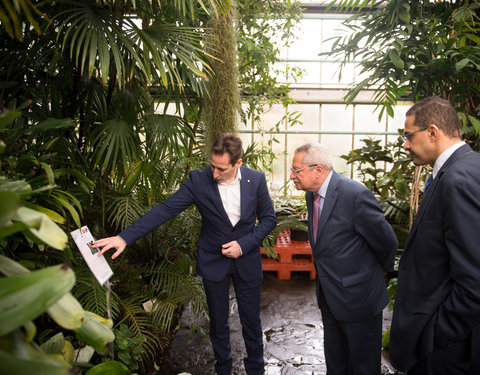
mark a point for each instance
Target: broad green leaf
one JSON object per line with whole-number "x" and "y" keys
{"x": 8, "y": 117}
{"x": 9, "y": 267}
{"x": 11, "y": 365}
{"x": 9, "y": 203}
{"x": 54, "y": 344}
{"x": 96, "y": 334}
{"x": 67, "y": 311}
{"x": 110, "y": 368}
{"x": 24, "y": 297}
{"x": 461, "y": 64}
{"x": 44, "y": 229}
{"x": 20, "y": 186}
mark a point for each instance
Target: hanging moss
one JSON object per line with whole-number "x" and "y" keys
{"x": 223, "y": 101}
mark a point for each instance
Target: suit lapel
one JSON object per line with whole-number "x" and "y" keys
{"x": 329, "y": 203}
{"x": 215, "y": 194}
{"x": 244, "y": 190}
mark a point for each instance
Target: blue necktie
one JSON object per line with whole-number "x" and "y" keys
{"x": 427, "y": 184}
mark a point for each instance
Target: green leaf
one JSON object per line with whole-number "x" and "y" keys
{"x": 54, "y": 344}
{"x": 42, "y": 228}
{"x": 53, "y": 124}
{"x": 395, "y": 59}
{"x": 9, "y": 203}
{"x": 11, "y": 365}
{"x": 461, "y": 64}
{"x": 24, "y": 297}
{"x": 110, "y": 368}
{"x": 96, "y": 334}
{"x": 475, "y": 122}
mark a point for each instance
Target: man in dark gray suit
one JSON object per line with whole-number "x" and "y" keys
{"x": 436, "y": 317}
{"x": 353, "y": 245}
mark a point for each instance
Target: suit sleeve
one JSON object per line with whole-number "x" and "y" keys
{"x": 460, "y": 311}
{"x": 266, "y": 220}
{"x": 159, "y": 214}
{"x": 371, "y": 224}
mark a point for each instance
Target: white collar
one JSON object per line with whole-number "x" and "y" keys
{"x": 444, "y": 157}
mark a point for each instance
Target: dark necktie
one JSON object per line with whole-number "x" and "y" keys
{"x": 316, "y": 204}
{"x": 427, "y": 184}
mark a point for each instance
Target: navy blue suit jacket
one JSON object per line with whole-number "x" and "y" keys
{"x": 438, "y": 292}
{"x": 354, "y": 245}
{"x": 202, "y": 190}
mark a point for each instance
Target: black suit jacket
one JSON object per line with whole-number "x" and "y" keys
{"x": 438, "y": 291}
{"x": 354, "y": 246}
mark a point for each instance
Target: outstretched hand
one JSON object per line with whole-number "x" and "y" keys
{"x": 108, "y": 243}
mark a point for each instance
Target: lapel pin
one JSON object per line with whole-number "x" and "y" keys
{"x": 248, "y": 180}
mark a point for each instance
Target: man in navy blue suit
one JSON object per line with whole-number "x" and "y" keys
{"x": 230, "y": 199}
{"x": 353, "y": 246}
{"x": 436, "y": 316}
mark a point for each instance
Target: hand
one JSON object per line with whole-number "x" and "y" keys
{"x": 111, "y": 243}
{"x": 231, "y": 249}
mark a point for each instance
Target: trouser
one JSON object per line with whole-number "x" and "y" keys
{"x": 351, "y": 348}
{"x": 248, "y": 295}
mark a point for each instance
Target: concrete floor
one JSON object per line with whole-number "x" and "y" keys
{"x": 293, "y": 334}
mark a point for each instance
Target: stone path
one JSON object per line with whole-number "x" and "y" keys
{"x": 293, "y": 334}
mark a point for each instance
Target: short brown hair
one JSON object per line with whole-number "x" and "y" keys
{"x": 228, "y": 143}
{"x": 438, "y": 111}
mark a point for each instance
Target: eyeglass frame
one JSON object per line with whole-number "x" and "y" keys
{"x": 296, "y": 171}
{"x": 408, "y": 135}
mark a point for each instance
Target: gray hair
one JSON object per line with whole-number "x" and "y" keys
{"x": 315, "y": 153}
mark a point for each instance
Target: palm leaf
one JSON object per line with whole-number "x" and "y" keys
{"x": 123, "y": 211}
{"x": 115, "y": 145}
{"x": 166, "y": 135}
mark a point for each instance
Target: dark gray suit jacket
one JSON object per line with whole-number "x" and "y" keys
{"x": 438, "y": 293}
{"x": 354, "y": 246}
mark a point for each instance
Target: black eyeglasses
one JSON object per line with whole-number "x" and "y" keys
{"x": 408, "y": 135}
{"x": 301, "y": 169}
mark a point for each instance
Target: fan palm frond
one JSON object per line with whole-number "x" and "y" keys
{"x": 116, "y": 145}
{"x": 123, "y": 211}
{"x": 166, "y": 135}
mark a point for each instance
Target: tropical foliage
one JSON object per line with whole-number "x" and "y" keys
{"x": 410, "y": 49}
{"x": 82, "y": 144}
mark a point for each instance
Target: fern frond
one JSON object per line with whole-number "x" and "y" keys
{"x": 92, "y": 295}
{"x": 140, "y": 322}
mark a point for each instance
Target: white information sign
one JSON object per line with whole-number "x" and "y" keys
{"x": 97, "y": 264}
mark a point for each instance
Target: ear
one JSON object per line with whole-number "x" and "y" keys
{"x": 434, "y": 132}
{"x": 238, "y": 163}
{"x": 319, "y": 168}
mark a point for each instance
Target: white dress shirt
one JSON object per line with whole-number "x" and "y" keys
{"x": 230, "y": 194}
{"x": 444, "y": 157}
